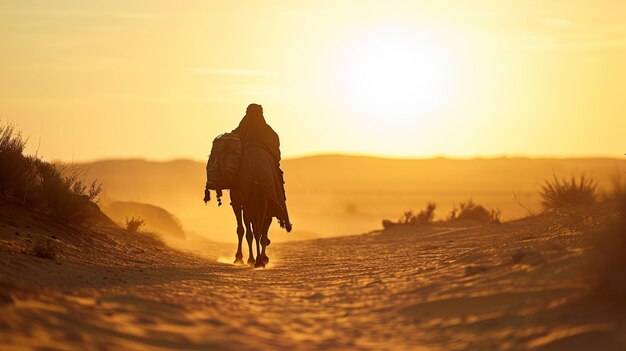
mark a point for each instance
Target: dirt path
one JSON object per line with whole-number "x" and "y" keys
{"x": 500, "y": 287}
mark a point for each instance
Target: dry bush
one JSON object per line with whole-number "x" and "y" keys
{"x": 13, "y": 168}
{"x": 134, "y": 224}
{"x": 469, "y": 211}
{"x": 45, "y": 249}
{"x": 495, "y": 216}
{"x": 388, "y": 224}
{"x": 160, "y": 220}
{"x": 609, "y": 272}
{"x": 424, "y": 217}
{"x": 406, "y": 217}
{"x": 55, "y": 189}
{"x": 11, "y": 141}
{"x": 562, "y": 193}
{"x": 427, "y": 215}
{"x": 67, "y": 198}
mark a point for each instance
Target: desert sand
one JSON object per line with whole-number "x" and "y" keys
{"x": 515, "y": 285}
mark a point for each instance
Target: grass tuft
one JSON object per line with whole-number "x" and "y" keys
{"x": 469, "y": 211}
{"x": 424, "y": 217}
{"x": 13, "y": 165}
{"x": 134, "y": 224}
{"x": 564, "y": 193}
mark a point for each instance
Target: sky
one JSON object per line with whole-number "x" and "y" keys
{"x": 87, "y": 80}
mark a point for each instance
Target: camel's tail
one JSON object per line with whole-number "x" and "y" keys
{"x": 286, "y": 224}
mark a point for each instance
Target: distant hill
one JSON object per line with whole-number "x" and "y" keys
{"x": 337, "y": 194}
{"x": 156, "y": 219}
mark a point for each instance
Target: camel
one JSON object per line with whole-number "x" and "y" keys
{"x": 258, "y": 189}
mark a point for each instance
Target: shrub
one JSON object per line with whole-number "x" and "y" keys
{"x": 159, "y": 219}
{"x": 13, "y": 181}
{"x": 134, "y": 224}
{"x": 11, "y": 141}
{"x": 467, "y": 212}
{"x": 66, "y": 197}
{"x": 495, "y": 216}
{"x": 57, "y": 190}
{"x": 45, "y": 249}
{"x": 471, "y": 212}
{"x": 406, "y": 218}
{"x": 562, "y": 193}
{"x": 425, "y": 216}
{"x": 387, "y": 223}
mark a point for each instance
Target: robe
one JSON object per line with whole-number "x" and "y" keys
{"x": 260, "y": 164}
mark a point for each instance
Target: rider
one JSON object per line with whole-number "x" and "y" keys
{"x": 255, "y": 135}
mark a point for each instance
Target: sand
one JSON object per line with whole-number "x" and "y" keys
{"x": 516, "y": 285}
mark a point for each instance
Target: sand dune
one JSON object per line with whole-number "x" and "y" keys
{"x": 516, "y": 285}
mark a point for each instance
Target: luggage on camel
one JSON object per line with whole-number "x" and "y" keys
{"x": 222, "y": 169}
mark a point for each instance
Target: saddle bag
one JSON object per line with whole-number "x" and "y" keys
{"x": 222, "y": 169}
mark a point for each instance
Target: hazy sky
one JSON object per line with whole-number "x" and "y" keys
{"x": 160, "y": 79}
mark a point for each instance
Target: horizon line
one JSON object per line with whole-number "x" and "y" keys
{"x": 357, "y": 155}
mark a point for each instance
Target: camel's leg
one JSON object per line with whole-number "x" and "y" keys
{"x": 258, "y": 224}
{"x": 265, "y": 239}
{"x": 240, "y": 231}
{"x": 249, "y": 237}
{"x": 261, "y": 223}
{"x": 257, "y": 238}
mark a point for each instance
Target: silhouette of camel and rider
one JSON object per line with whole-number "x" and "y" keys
{"x": 251, "y": 158}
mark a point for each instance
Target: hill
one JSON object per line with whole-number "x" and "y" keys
{"x": 156, "y": 219}
{"x": 336, "y": 195}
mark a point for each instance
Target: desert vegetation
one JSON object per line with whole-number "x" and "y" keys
{"x": 157, "y": 219}
{"x": 55, "y": 189}
{"x": 425, "y": 216}
{"x": 555, "y": 194}
{"x": 467, "y": 212}
{"x": 560, "y": 193}
{"x": 134, "y": 224}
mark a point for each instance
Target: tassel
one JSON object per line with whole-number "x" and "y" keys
{"x": 207, "y": 196}
{"x": 219, "y": 194}
{"x": 285, "y": 224}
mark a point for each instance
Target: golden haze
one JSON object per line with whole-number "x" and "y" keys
{"x": 159, "y": 80}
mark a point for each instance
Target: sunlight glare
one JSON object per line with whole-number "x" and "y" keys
{"x": 395, "y": 74}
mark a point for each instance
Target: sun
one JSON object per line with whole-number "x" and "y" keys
{"x": 395, "y": 74}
